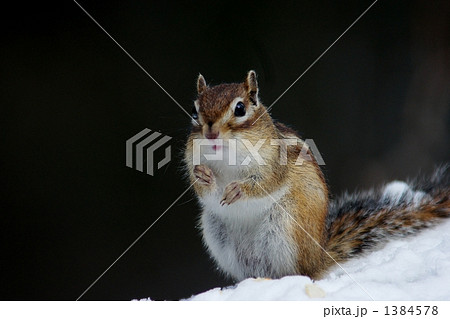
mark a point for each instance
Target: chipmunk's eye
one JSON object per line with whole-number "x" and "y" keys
{"x": 194, "y": 113}
{"x": 239, "y": 110}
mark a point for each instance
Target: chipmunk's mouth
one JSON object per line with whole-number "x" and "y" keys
{"x": 217, "y": 144}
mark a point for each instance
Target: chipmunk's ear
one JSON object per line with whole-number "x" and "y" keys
{"x": 201, "y": 84}
{"x": 252, "y": 87}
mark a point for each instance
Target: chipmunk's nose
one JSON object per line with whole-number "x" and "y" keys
{"x": 211, "y": 133}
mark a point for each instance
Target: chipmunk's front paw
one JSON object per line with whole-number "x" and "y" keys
{"x": 232, "y": 193}
{"x": 204, "y": 174}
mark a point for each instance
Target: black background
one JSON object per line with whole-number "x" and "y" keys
{"x": 376, "y": 105}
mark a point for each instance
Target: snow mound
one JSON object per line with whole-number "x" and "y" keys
{"x": 413, "y": 268}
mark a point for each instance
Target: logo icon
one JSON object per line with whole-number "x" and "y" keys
{"x": 141, "y": 147}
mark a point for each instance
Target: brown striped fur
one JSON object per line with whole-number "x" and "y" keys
{"x": 359, "y": 223}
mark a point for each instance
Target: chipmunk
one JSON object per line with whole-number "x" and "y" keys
{"x": 265, "y": 215}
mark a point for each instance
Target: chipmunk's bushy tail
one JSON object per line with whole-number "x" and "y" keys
{"x": 356, "y": 223}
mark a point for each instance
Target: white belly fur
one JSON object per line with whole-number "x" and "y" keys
{"x": 249, "y": 238}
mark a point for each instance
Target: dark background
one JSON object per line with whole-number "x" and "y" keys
{"x": 376, "y": 105}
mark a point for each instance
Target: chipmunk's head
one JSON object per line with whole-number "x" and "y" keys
{"x": 222, "y": 111}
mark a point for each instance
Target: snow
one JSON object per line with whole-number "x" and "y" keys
{"x": 397, "y": 190}
{"x": 413, "y": 268}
